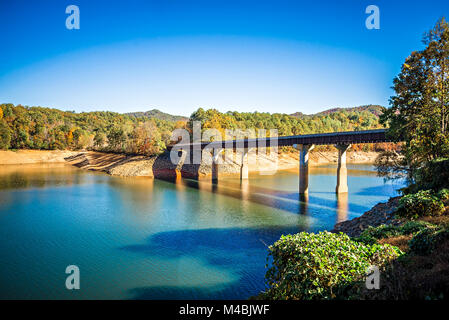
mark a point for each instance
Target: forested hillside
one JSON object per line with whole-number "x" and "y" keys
{"x": 372, "y": 108}
{"x": 44, "y": 128}
{"x": 157, "y": 114}
{"x": 341, "y": 120}
{"x": 24, "y": 127}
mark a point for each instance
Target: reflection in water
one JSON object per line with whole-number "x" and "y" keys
{"x": 39, "y": 176}
{"x": 303, "y": 203}
{"x": 145, "y": 238}
{"x": 244, "y": 190}
{"x": 342, "y": 207}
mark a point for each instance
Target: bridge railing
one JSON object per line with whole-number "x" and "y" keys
{"x": 348, "y": 137}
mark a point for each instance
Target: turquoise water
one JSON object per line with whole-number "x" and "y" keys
{"x": 138, "y": 238}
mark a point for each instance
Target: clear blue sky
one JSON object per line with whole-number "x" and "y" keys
{"x": 178, "y": 55}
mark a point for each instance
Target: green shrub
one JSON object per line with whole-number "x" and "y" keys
{"x": 420, "y": 204}
{"x": 443, "y": 195}
{"x": 412, "y": 227}
{"x": 433, "y": 175}
{"x": 321, "y": 266}
{"x": 425, "y": 241}
{"x": 366, "y": 238}
{"x": 372, "y": 234}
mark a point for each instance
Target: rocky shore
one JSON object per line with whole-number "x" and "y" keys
{"x": 162, "y": 167}
{"x": 381, "y": 213}
{"x": 126, "y": 165}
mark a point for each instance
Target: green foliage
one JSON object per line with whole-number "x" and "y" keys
{"x": 443, "y": 195}
{"x": 413, "y": 227}
{"x": 116, "y": 138}
{"x": 150, "y": 132}
{"x": 341, "y": 120}
{"x": 428, "y": 239}
{"x": 5, "y": 135}
{"x": 321, "y": 266}
{"x": 374, "y": 109}
{"x": 421, "y": 204}
{"x": 419, "y": 113}
{"x": 44, "y": 128}
{"x": 372, "y": 234}
{"x": 432, "y": 175}
{"x": 158, "y": 115}
{"x": 99, "y": 139}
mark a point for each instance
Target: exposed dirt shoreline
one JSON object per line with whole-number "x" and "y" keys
{"x": 34, "y": 156}
{"x": 125, "y": 165}
{"x": 381, "y": 213}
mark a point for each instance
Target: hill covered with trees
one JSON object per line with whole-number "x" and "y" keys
{"x": 372, "y": 108}
{"x": 340, "y": 120}
{"x": 24, "y": 127}
{"x": 155, "y": 113}
{"x": 148, "y": 133}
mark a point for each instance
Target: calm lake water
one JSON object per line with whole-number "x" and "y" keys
{"x": 139, "y": 238}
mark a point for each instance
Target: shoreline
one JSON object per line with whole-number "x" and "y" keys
{"x": 381, "y": 213}
{"x": 141, "y": 166}
{"x": 155, "y": 166}
{"x": 26, "y": 156}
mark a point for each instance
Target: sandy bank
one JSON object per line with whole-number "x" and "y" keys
{"x": 125, "y": 165}
{"x": 161, "y": 166}
{"x": 34, "y": 156}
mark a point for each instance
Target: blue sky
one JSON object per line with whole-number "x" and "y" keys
{"x": 178, "y": 55}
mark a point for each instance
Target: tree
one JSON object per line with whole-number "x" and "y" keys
{"x": 419, "y": 113}
{"x": 99, "y": 139}
{"x": 116, "y": 138}
{"x": 5, "y": 135}
{"x": 145, "y": 139}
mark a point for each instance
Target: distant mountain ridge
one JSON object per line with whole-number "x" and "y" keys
{"x": 155, "y": 113}
{"x": 372, "y": 108}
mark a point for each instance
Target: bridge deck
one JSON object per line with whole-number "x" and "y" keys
{"x": 348, "y": 137}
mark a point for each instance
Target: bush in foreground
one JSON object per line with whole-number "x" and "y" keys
{"x": 427, "y": 240}
{"x": 372, "y": 234}
{"x": 421, "y": 274}
{"x": 321, "y": 266}
{"x": 424, "y": 203}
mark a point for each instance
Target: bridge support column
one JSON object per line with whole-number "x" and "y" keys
{"x": 215, "y": 162}
{"x": 342, "y": 171}
{"x": 244, "y": 167}
{"x": 304, "y": 167}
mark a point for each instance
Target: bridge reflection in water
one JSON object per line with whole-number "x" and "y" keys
{"x": 279, "y": 199}
{"x": 305, "y": 143}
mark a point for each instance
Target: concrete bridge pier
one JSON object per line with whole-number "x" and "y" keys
{"x": 244, "y": 167}
{"x": 342, "y": 171}
{"x": 304, "y": 150}
{"x": 216, "y": 153}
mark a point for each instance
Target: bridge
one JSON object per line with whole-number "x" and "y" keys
{"x": 305, "y": 143}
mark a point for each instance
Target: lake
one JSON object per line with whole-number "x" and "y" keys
{"x": 139, "y": 238}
